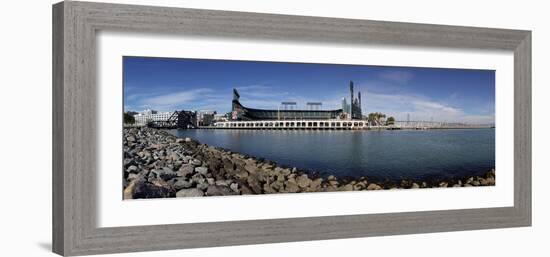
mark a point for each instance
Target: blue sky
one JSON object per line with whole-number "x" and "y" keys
{"x": 167, "y": 84}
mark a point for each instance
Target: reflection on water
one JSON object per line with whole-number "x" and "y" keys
{"x": 394, "y": 155}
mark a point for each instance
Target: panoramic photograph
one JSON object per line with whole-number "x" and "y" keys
{"x": 206, "y": 127}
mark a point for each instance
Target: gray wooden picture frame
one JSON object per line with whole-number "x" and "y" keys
{"x": 75, "y": 25}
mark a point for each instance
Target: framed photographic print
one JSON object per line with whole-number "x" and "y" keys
{"x": 247, "y": 128}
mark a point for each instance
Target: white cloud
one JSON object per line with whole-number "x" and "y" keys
{"x": 253, "y": 87}
{"x": 419, "y": 108}
{"x": 174, "y": 99}
{"x": 428, "y": 106}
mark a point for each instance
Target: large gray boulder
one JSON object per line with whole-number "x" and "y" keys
{"x": 347, "y": 187}
{"x": 132, "y": 169}
{"x": 235, "y": 187}
{"x": 277, "y": 185}
{"x": 181, "y": 183}
{"x": 303, "y": 181}
{"x": 373, "y": 186}
{"x": 195, "y": 162}
{"x": 251, "y": 168}
{"x": 186, "y": 170}
{"x": 201, "y": 170}
{"x": 291, "y": 186}
{"x": 193, "y": 192}
{"x": 164, "y": 173}
{"x": 254, "y": 183}
{"x": 214, "y": 190}
{"x": 141, "y": 188}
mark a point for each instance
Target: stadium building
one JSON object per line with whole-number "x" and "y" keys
{"x": 349, "y": 116}
{"x": 242, "y": 113}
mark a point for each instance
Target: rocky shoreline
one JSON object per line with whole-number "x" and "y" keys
{"x": 157, "y": 164}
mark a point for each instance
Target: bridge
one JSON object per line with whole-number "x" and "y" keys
{"x": 178, "y": 120}
{"x": 436, "y": 125}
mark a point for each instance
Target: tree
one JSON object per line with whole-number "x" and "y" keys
{"x": 390, "y": 121}
{"x": 371, "y": 117}
{"x": 375, "y": 118}
{"x": 129, "y": 119}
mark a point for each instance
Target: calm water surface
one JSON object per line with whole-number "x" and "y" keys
{"x": 393, "y": 155}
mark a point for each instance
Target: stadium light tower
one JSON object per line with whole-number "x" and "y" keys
{"x": 288, "y": 105}
{"x": 314, "y": 106}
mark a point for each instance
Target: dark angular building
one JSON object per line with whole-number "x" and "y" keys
{"x": 242, "y": 113}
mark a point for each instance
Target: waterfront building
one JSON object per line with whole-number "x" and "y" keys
{"x": 345, "y": 105}
{"x": 220, "y": 117}
{"x": 149, "y": 115}
{"x": 309, "y": 124}
{"x": 205, "y": 117}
